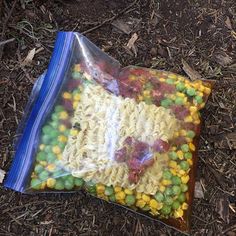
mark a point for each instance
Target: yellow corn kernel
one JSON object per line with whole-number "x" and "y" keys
{"x": 117, "y": 189}
{"x": 173, "y": 171}
{"x": 100, "y": 188}
{"x": 59, "y": 156}
{"x": 190, "y": 162}
{"x": 193, "y": 109}
{"x": 153, "y": 204}
{"x": 51, "y": 167}
{"x": 66, "y": 95}
{"x": 75, "y": 104}
{"x": 182, "y": 172}
{"x": 185, "y": 179}
{"x": 172, "y": 76}
{"x": 43, "y": 185}
{"x": 128, "y": 191}
{"x": 173, "y": 148}
{"x": 180, "y": 154}
{"x": 74, "y": 132}
{"x": 140, "y": 203}
{"x": 51, "y": 182}
{"x": 166, "y": 182}
{"x": 138, "y": 195}
{"x": 162, "y": 80}
{"x": 76, "y": 97}
{"x": 176, "y": 134}
{"x": 200, "y": 94}
{"x": 56, "y": 150}
{"x": 183, "y": 132}
{"x": 63, "y": 115}
{"x": 188, "y": 119}
{"x": 180, "y": 78}
{"x": 132, "y": 77}
{"x": 121, "y": 201}
{"x": 145, "y": 197}
{"x": 43, "y": 163}
{"x": 184, "y": 206}
{"x": 197, "y": 122}
{"x": 188, "y": 140}
{"x": 140, "y": 97}
{"x": 180, "y": 94}
{"x": 146, "y": 93}
{"x": 77, "y": 67}
{"x": 207, "y": 90}
{"x": 154, "y": 212}
{"x": 178, "y": 213}
{"x": 173, "y": 164}
{"x": 41, "y": 147}
{"x": 162, "y": 188}
{"x": 120, "y": 195}
{"x": 62, "y": 128}
{"x": 192, "y": 146}
{"x": 62, "y": 138}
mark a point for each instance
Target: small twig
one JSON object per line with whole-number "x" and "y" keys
{"x": 4, "y": 27}
{"x": 7, "y": 41}
{"x": 110, "y": 19}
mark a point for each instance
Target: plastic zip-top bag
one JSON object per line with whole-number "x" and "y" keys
{"x": 125, "y": 135}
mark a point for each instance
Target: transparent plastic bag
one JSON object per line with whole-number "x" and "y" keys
{"x": 126, "y": 135}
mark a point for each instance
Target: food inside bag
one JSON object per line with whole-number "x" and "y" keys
{"x": 126, "y": 135}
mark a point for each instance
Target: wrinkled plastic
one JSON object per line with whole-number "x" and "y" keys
{"x": 126, "y": 135}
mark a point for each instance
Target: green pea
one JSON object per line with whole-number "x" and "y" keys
{"x": 54, "y": 124}
{"x": 61, "y": 145}
{"x": 109, "y": 190}
{"x": 148, "y": 101}
{"x": 76, "y": 75}
{"x": 184, "y": 188}
{"x": 185, "y": 147}
{"x": 55, "y": 117}
{"x": 38, "y": 168}
{"x": 46, "y": 139}
{"x": 130, "y": 200}
{"x": 54, "y": 142}
{"x": 180, "y": 86}
{"x": 191, "y": 91}
{"x": 58, "y": 173}
{"x": 168, "y": 200}
{"x": 112, "y": 198}
{"x": 59, "y": 184}
{"x": 176, "y": 190}
{"x": 90, "y": 186}
{"x": 181, "y": 197}
{"x": 43, "y": 175}
{"x": 166, "y": 210}
{"x": 168, "y": 191}
{"x": 198, "y": 99}
{"x": 67, "y": 132}
{"x": 166, "y": 102}
{"x": 79, "y": 182}
{"x": 59, "y": 108}
{"x": 173, "y": 155}
{"x": 48, "y": 149}
{"x": 166, "y": 174}
{"x": 191, "y": 134}
{"x": 41, "y": 156}
{"x": 35, "y": 184}
{"x": 75, "y": 92}
{"x": 149, "y": 86}
{"x": 69, "y": 185}
{"x": 47, "y": 129}
{"x": 170, "y": 81}
{"x": 159, "y": 196}
{"x": 54, "y": 134}
{"x": 146, "y": 208}
{"x": 176, "y": 180}
{"x": 184, "y": 165}
{"x": 175, "y": 205}
{"x": 179, "y": 101}
{"x": 51, "y": 157}
{"x": 188, "y": 155}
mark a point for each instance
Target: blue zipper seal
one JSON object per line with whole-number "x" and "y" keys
{"x": 18, "y": 176}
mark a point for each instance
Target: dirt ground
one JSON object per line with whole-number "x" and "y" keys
{"x": 201, "y": 32}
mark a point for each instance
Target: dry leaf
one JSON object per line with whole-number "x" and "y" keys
{"x": 198, "y": 191}
{"x": 222, "y": 208}
{"x": 222, "y": 58}
{"x": 29, "y": 57}
{"x": 2, "y": 175}
{"x": 130, "y": 44}
{"x": 193, "y": 74}
{"x": 228, "y": 23}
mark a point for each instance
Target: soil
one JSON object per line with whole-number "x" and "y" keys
{"x": 203, "y": 33}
